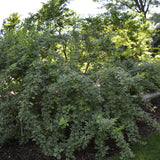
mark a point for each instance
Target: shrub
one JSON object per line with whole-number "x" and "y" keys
{"x": 64, "y": 111}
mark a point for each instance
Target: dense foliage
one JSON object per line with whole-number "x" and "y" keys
{"x": 66, "y": 82}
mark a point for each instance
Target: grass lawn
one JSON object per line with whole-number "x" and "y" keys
{"x": 149, "y": 149}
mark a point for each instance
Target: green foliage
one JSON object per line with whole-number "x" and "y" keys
{"x": 132, "y": 38}
{"x": 11, "y": 22}
{"x": 65, "y": 87}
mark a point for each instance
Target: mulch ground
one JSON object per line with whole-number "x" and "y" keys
{"x": 31, "y": 151}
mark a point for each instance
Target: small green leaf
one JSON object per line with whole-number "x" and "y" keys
{"x": 63, "y": 123}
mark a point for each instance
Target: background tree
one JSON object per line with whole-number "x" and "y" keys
{"x": 155, "y": 18}
{"x": 156, "y": 40}
{"x": 141, "y": 6}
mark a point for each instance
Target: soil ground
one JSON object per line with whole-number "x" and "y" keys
{"x": 31, "y": 151}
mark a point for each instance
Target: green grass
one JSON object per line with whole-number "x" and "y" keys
{"x": 149, "y": 149}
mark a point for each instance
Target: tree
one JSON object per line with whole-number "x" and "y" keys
{"x": 141, "y": 6}
{"x": 54, "y": 14}
{"x": 155, "y": 18}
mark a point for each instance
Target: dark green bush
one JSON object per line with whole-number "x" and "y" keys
{"x": 64, "y": 111}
